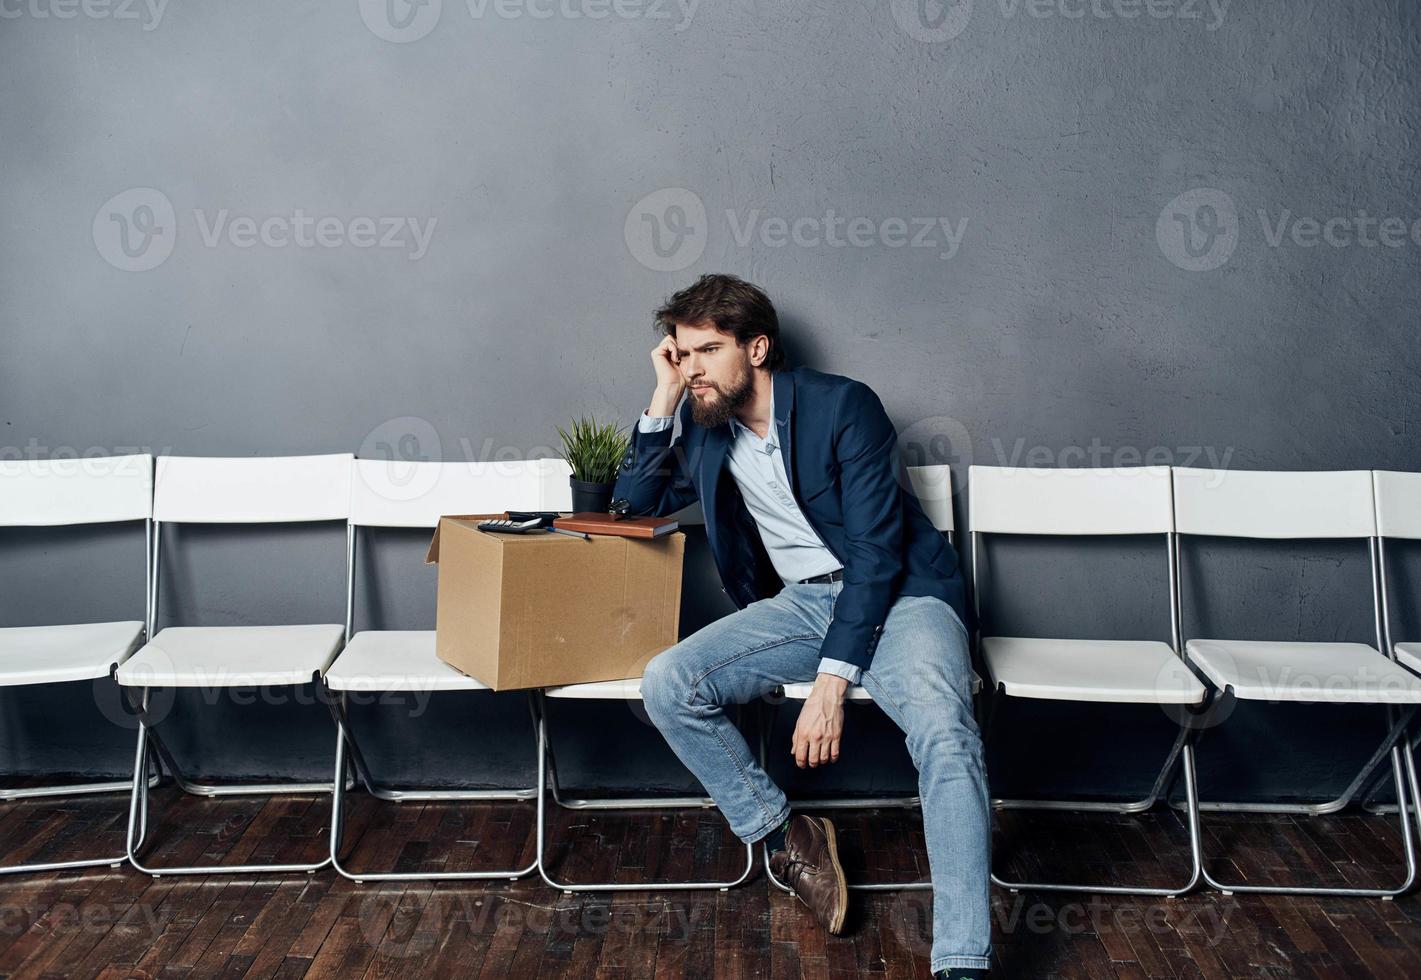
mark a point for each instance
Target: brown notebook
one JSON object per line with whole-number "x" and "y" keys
{"x": 593, "y": 522}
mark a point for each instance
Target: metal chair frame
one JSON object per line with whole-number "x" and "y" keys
{"x": 1403, "y": 772}
{"x": 99, "y": 788}
{"x": 148, "y": 732}
{"x": 1179, "y": 759}
{"x": 345, "y": 737}
{"x": 1414, "y": 740}
{"x": 548, "y": 786}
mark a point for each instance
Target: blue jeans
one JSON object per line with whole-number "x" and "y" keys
{"x": 920, "y": 676}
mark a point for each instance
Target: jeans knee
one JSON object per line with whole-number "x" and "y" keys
{"x": 662, "y": 685}
{"x": 950, "y": 731}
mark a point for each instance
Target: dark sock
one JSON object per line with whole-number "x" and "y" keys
{"x": 960, "y": 973}
{"x": 776, "y": 840}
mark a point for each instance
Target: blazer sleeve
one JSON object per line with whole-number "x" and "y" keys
{"x": 654, "y": 476}
{"x": 866, "y": 447}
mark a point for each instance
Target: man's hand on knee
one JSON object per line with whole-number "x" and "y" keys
{"x": 821, "y": 723}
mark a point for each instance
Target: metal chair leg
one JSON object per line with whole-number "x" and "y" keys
{"x": 1389, "y": 808}
{"x": 641, "y": 804}
{"x": 1186, "y": 757}
{"x": 619, "y": 803}
{"x": 212, "y": 790}
{"x": 66, "y": 790}
{"x": 1182, "y": 753}
{"x": 138, "y": 813}
{"x": 344, "y": 737}
{"x": 1363, "y": 781}
{"x": 1157, "y": 791}
{"x": 1399, "y": 768}
{"x": 71, "y": 790}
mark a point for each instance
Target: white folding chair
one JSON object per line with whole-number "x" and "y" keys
{"x": 1089, "y": 503}
{"x": 932, "y": 485}
{"x": 198, "y": 490}
{"x": 67, "y": 492}
{"x": 1300, "y": 506}
{"x": 415, "y": 495}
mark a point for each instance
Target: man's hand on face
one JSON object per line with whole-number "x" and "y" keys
{"x": 821, "y": 723}
{"x": 670, "y": 385}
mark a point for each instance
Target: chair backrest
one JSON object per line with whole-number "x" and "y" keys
{"x": 97, "y": 490}
{"x": 252, "y": 490}
{"x": 391, "y": 493}
{"x": 932, "y": 485}
{"x": 1105, "y": 501}
{"x": 1274, "y": 504}
{"x": 1398, "y": 502}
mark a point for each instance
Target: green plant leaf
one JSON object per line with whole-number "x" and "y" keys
{"x": 593, "y": 450}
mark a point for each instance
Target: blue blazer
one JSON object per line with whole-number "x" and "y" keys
{"x": 841, "y": 455}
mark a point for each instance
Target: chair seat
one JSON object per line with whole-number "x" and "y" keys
{"x": 627, "y": 690}
{"x": 232, "y": 656}
{"x": 1115, "y": 671}
{"x": 855, "y": 692}
{"x": 1409, "y": 654}
{"x": 54, "y": 654}
{"x": 395, "y": 660}
{"x": 1338, "y": 673}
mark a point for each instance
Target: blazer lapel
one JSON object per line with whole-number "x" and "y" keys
{"x": 783, "y": 382}
{"x": 714, "y": 448}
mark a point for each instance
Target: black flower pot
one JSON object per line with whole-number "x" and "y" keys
{"x": 590, "y": 496}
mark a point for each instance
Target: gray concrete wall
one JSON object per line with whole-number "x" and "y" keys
{"x": 1048, "y": 234}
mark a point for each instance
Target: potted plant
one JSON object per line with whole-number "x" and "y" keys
{"x": 594, "y": 452}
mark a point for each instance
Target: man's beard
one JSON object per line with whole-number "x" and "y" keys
{"x": 709, "y": 414}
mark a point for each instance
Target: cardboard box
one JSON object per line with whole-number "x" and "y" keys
{"x": 539, "y": 610}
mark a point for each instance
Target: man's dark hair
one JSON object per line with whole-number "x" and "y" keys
{"x": 732, "y": 306}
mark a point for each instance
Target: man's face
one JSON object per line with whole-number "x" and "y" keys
{"x": 717, "y": 372}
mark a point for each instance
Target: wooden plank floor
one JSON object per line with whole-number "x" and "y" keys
{"x": 123, "y": 924}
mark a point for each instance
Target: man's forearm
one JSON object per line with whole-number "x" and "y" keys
{"x": 663, "y": 401}
{"x": 651, "y": 477}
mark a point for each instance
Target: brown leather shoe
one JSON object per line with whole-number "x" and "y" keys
{"x": 809, "y": 865}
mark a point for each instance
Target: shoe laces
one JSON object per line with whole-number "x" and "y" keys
{"x": 794, "y": 867}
